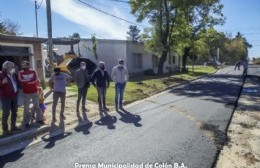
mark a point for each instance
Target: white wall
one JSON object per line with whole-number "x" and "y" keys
{"x": 138, "y": 49}
{"x": 110, "y": 51}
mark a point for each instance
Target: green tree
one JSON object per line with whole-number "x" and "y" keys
{"x": 176, "y": 24}
{"x": 194, "y": 18}
{"x": 133, "y": 34}
{"x": 75, "y": 35}
{"x": 9, "y": 27}
{"x": 161, "y": 15}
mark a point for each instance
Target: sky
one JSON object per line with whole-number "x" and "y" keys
{"x": 69, "y": 16}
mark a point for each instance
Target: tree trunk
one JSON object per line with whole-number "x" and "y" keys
{"x": 162, "y": 59}
{"x": 184, "y": 58}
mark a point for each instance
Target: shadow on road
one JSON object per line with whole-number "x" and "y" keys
{"x": 215, "y": 88}
{"x": 108, "y": 121}
{"x": 56, "y": 133}
{"x": 128, "y": 117}
{"x": 84, "y": 128}
{"x": 11, "y": 157}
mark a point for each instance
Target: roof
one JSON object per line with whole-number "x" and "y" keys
{"x": 56, "y": 41}
{"x": 22, "y": 38}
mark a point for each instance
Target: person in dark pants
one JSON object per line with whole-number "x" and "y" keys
{"x": 9, "y": 95}
{"x": 100, "y": 80}
{"x": 237, "y": 65}
{"x": 82, "y": 81}
{"x": 58, "y": 84}
{"x": 245, "y": 67}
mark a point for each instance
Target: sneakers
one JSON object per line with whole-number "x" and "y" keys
{"x": 105, "y": 108}
{"x": 62, "y": 117}
{"x": 15, "y": 128}
{"x": 54, "y": 119}
{"x": 6, "y": 132}
{"x": 84, "y": 109}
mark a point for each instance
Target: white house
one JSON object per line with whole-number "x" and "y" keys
{"x": 136, "y": 58}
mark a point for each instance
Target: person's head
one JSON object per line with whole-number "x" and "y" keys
{"x": 57, "y": 70}
{"x": 25, "y": 65}
{"x": 83, "y": 65}
{"x": 121, "y": 62}
{"x": 101, "y": 65}
{"x": 9, "y": 67}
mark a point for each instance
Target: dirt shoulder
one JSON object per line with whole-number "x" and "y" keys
{"x": 243, "y": 148}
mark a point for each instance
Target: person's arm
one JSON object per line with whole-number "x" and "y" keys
{"x": 35, "y": 78}
{"x": 76, "y": 77}
{"x": 126, "y": 75}
{"x": 107, "y": 79}
{"x": 2, "y": 80}
{"x": 51, "y": 83}
{"x": 68, "y": 77}
{"x": 20, "y": 77}
{"x": 113, "y": 75}
{"x": 93, "y": 79}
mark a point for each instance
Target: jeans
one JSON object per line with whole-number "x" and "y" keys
{"x": 82, "y": 93}
{"x": 56, "y": 96}
{"x": 7, "y": 105}
{"x": 120, "y": 89}
{"x": 26, "y": 113}
{"x": 102, "y": 96}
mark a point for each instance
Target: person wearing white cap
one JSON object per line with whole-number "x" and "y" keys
{"x": 9, "y": 96}
{"x": 100, "y": 79}
{"x": 120, "y": 76}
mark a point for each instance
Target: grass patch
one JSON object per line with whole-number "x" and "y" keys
{"x": 144, "y": 86}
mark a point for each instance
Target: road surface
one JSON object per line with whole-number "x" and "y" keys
{"x": 184, "y": 126}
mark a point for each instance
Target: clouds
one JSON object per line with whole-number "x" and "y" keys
{"x": 93, "y": 20}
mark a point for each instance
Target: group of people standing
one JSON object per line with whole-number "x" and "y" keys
{"x": 9, "y": 83}
{"x": 100, "y": 80}
{"x": 27, "y": 79}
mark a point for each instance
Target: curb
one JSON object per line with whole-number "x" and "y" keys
{"x": 229, "y": 122}
{"x": 26, "y": 134}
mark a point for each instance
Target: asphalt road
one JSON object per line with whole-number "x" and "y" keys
{"x": 185, "y": 125}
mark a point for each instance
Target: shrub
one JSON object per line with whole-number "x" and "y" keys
{"x": 149, "y": 72}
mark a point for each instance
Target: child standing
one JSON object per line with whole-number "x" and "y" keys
{"x": 41, "y": 102}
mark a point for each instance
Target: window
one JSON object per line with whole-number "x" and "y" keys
{"x": 137, "y": 61}
{"x": 154, "y": 61}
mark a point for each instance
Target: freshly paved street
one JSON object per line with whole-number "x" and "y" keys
{"x": 184, "y": 125}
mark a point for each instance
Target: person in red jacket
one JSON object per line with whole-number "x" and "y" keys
{"x": 9, "y": 95}
{"x": 29, "y": 82}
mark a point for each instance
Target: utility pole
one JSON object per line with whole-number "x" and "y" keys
{"x": 49, "y": 23}
{"x": 36, "y": 18}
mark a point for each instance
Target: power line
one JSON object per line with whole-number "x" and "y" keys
{"x": 120, "y": 1}
{"x": 104, "y": 12}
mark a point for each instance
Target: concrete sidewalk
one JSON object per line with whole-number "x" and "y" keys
{"x": 243, "y": 149}
{"x": 71, "y": 118}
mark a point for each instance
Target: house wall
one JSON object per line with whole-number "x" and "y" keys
{"x": 35, "y": 49}
{"x": 110, "y": 51}
{"x": 137, "y": 48}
